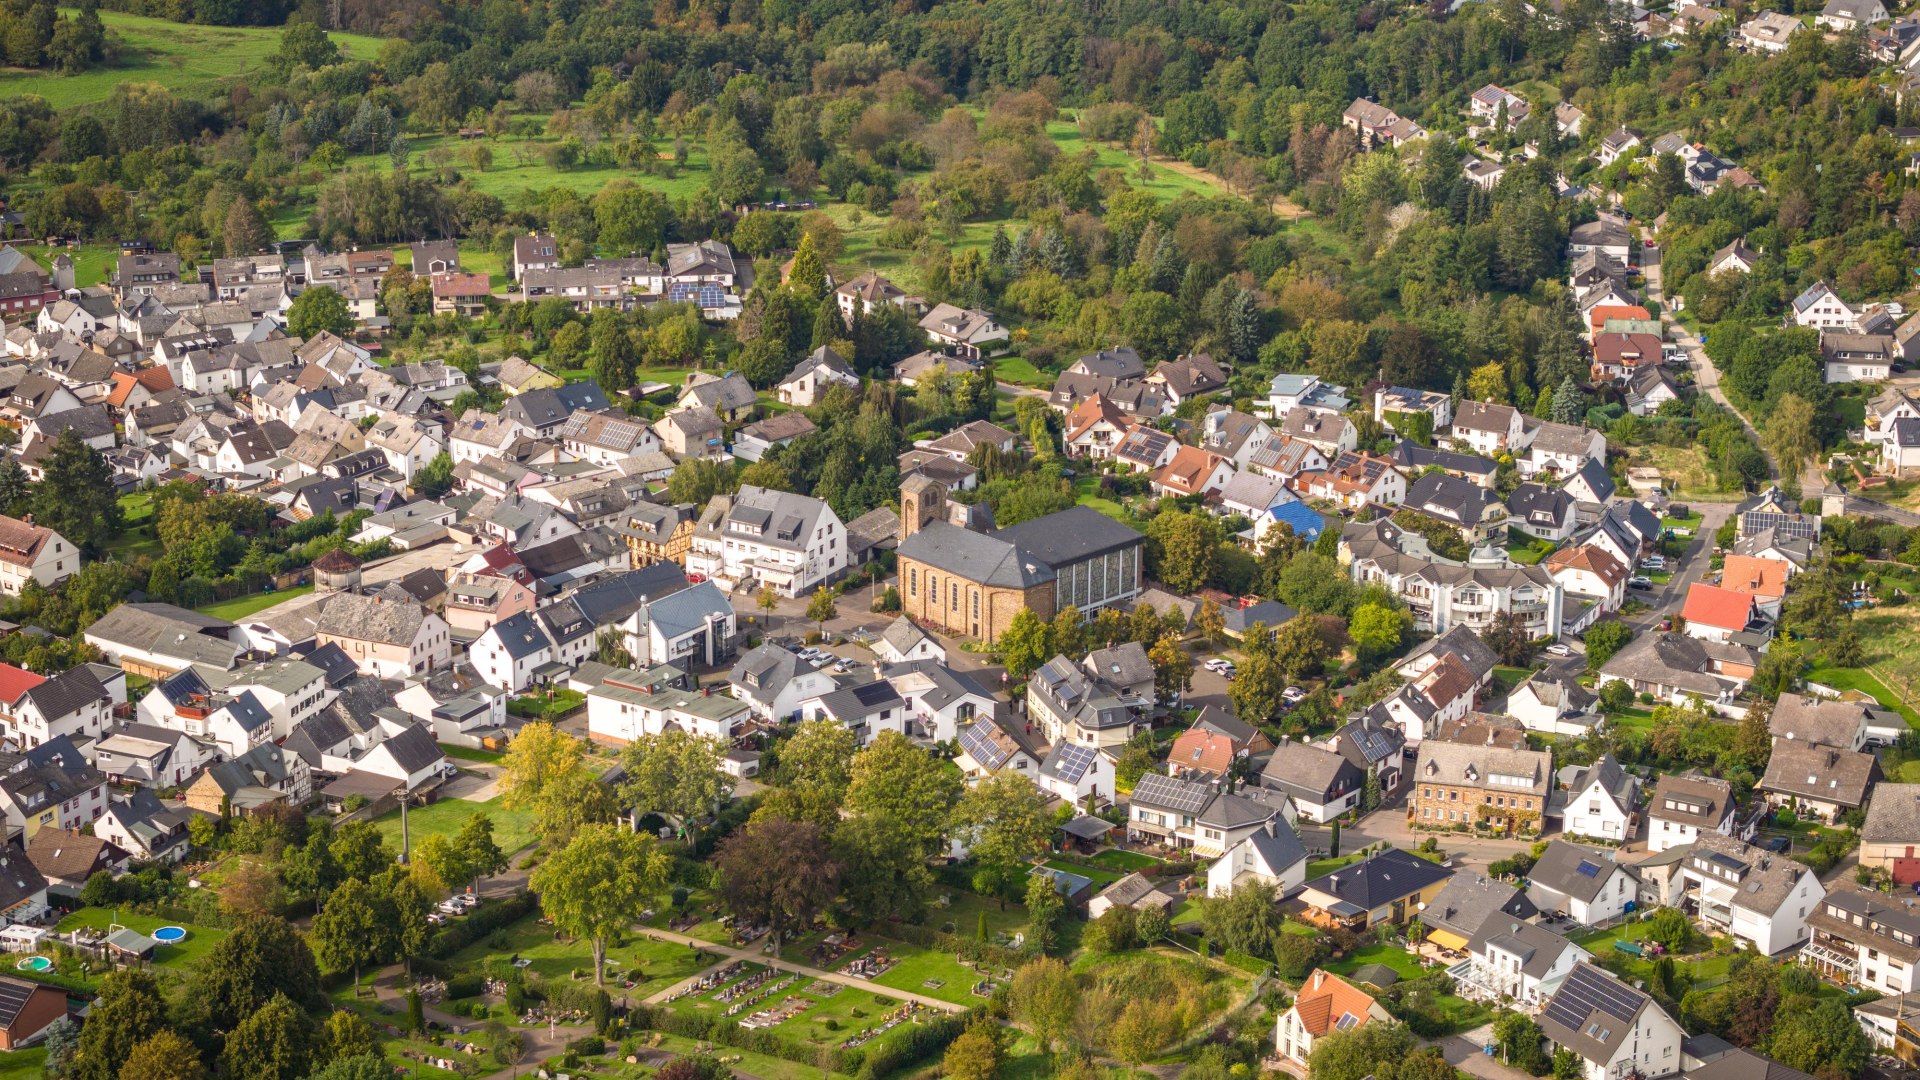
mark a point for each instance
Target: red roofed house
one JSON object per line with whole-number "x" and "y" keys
{"x": 1598, "y": 315}
{"x": 1591, "y": 573}
{"x": 1355, "y": 479}
{"x": 1764, "y": 579}
{"x": 1326, "y": 1003}
{"x": 136, "y": 389}
{"x": 1618, "y": 356}
{"x": 1192, "y": 471}
{"x": 1716, "y": 614}
{"x": 1095, "y": 427}
{"x": 15, "y": 682}
{"x": 29, "y": 552}
{"x": 1200, "y": 754}
{"x": 461, "y": 294}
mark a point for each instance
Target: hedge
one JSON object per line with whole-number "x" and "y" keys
{"x": 1247, "y": 962}
{"x": 469, "y": 984}
{"x": 969, "y": 948}
{"x": 482, "y": 923}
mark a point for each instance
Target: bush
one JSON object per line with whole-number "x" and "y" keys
{"x": 470, "y": 984}
{"x": 483, "y": 922}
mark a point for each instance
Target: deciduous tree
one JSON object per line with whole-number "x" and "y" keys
{"x": 780, "y": 873}
{"x": 598, "y": 884}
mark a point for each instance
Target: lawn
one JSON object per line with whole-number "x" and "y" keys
{"x": 93, "y": 264}
{"x": 1706, "y": 970}
{"x": 1857, "y": 679}
{"x": 652, "y": 964}
{"x": 1509, "y": 677}
{"x": 829, "y": 1019}
{"x": 1124, "y": 860}
{"x": 1101, "y": 878}
{"x": 1318, "y": 867}
{"x": 240, "y": 607}
{"x": 1632, "y": 716}
{"x": 182, "y": 957}
{"x": 1020, "y": 370}
{"x": 1087, "y": 488}
{"x": 186, "y": 59}
{"x": 1392, "y": 956}
{"x": 468, "y": 753}
{"x": 512, "y": 829}
{"x": 28, "y": 1064}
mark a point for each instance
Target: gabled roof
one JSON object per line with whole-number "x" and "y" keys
{"x": 1722, "y": 609}
{"x": 1380, "y": 879}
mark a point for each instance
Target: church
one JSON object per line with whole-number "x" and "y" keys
{"x": 964, "y": 576}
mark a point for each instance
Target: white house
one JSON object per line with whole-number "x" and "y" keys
{"x": 904, "y": 641}
{"x": 71, "y": 704}
{"x": 1326, "y": 1003}
{"x": 1601, "y": 801}
{"x": 774, "y": 682}
{"x": 1821, "y": 308}
{"x": 791, "y": 543}
{"x": 1075, "y": 774}
{"x": 1755, "y": 896}
{"x": 1585, "y": 883}
{"x": 1513, "y": 958}
{"x": 1685, "y": 806}
{"x": 1273, "y": 855}
{"x": 1553, "y": 705}
{"x": 1490, "y": 430}
{"x": 1617, "y": 1029}
{"x": 507, "y": 653}
{"x": 31, "y": 552}
{"x": 631, "y": 704}
{"x": 808, "y": 383}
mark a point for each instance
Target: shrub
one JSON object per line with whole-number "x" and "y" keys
{"x": 470, "y": 984}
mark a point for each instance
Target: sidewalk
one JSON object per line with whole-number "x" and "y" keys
{"x": 754, "y": 955}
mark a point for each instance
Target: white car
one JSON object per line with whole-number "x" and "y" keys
{"x": 1220, "y": 664}
{"x": 1292, "y": 695}
{"x": 1639, "y": 582}
{"x": 1654, "y": 562}
{"x": 1557, "y": 649}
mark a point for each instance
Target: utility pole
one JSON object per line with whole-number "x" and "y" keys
{"x": 405, "y": 845}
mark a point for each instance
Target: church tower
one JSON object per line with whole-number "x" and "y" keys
{"x": 923, "y": 501}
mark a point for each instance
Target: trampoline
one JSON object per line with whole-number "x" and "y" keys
{"x": 169, "y": 935}
{"x": 34, "y": 963}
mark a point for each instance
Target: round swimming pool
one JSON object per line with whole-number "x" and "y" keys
{"x": 170, "y": 935}
{"x": 34, "y": 963}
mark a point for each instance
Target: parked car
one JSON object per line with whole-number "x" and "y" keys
{"x": 1220, "y": 664}
{"x": 1292, "y": 695}
{"x": 1654, "y": 562}
{"x": 1639, "y": 582}
{"x": 1557, "y": 649}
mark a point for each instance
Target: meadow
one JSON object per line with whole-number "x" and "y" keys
{"x": 189, "y": 60}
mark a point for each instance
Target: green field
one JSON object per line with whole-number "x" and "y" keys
{"x": 651, "y": 964}
{"x": 243, "y": 606}
{"x": 512, "y": 829}
{"x": 1087, "y": 488}
{"x": 182, "y": 957}
{"x": 1863, "y": 681}
{"x": 28, "y": 1064}
{"x": 1020, "y": 370}
{"x": 1392, "y": 956}
{"x": 185, "y": 59}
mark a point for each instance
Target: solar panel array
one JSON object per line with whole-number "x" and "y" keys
{"x": 703, "y": 294}
{"x": 1796, "y": 526}
{"x": 1587, "y": 991}
{"x": 1588, "y": 868}
{"x": 979, "y": 745}
{"x": 1166, "y": 791}
{"x": 1074, "y": 763}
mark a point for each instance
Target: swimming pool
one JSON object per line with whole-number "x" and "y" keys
{"x": 34, "y": 963}
{"x": 170, "y": 935}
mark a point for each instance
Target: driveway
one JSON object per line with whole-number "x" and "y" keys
{"x": 1706, "y": 377}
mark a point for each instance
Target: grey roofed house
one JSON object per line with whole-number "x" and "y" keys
{"x": 1594, "y": 474}
{"x": 1172, "y": 794}
{"x": 1540, "y": 507}
{"x": 1380, "y": 879}
{"x": 1666, "y": 659}
{"x": 1814, "y": 721}
{"x": 1117, "y": 364}
{"x": 682, "y": 612}
{"x": 1309, "y": 773}
{"x": 1218, "y": 720}
{"x": 66, "y": 693}
{"x": 1603, "y": 232}
{"x": 1186, "y": 376}
{"x": 1538, "y": 947}
{"x": 1703, "y": 801}
{"x": 1238, "y": 620}
{"x": 1594, "y": 1013}
{"x": 780, "y": 427}
{"x": 1739, "y": 1064}
{"x": 722, "y": 394}
{"x": 877, "y": 528}
{"x": 1123, "y": 665}
{"x": 1411, "y": 455}
{"x": 766, "y": 669}
{"x": 903, "y": 635}
{"x": 992, "y": 741}
{"x": 520, "y": 635}
{"x": 1463, "y": 645}
{"x": 1136, "y": 891}
{"x": 854, "y": 705}
{"x": 413, "y": 749}
{"x": 1520, "y": 771}
{"x": 362, "y": 618}
{"x": 1368, "y": 743}
{"x": 1162, "y": 601}
{"x": 1230, "y": 431}
{"x": 1450, "y": 498}
{"x": 86, "y": 422}
{"x": 1613, "y": 779}
{"x": 1821, "y": 773}
{"x": 613, "y": 598}
{"x": 1070, "y": 691}
{"x": 1797, "y": 549}
{"x": 164, "y": 629}
{"x": 549, "y": 408}
{"x": 322, "y": 733}
{"x": 1893, "y": 816}
{"x": 1233, "y": 810}
{"x": 1567, "y": 869}
{"x": 945, "y": 684}
{"x": 1255, "y": 490}
{"x": 157, "y": 827}
{"x": 1467, "y": 903}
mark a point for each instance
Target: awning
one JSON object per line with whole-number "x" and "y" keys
{"x": 1447, "y": 939}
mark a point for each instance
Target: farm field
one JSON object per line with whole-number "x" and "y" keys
{"x": 183, "y": 58}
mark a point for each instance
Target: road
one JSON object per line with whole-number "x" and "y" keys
{"x": 1706, "y": 377}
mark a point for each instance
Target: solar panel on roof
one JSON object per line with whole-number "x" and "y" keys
{"x": 1074, "y": 763}
{"x": 1586, "y": 991}
{"x": 1588, "y": 869}
{"x": 976, "y": 740}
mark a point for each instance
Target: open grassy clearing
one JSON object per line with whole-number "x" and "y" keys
{"x": 650, "y": 964}
{"x": 182, "y": 958}
{"x": 186, "y": 59}
{"x": 1392, "y": 956}
{"x": 243, "y": 606}
{"x": 512, "y": 829}
{"x": 1844, "y": 679}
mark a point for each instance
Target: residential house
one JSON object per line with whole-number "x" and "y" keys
{"x": 1326, "y": 1004}
{"x": 1818, "y": 306}
{"x": 774, "y": 682}
{"x": 1761, "y": 899}
{"x": 1590, "y": 574}
{"x": 868, "y": 293}
{"x": 1321, "y": 782}
{"x": 1617, "y": 143}
{"x": 808, "y": 383}
{"x": 1468, "y": 904}
{"x": 1768, "y": 32}
{"x": 1617, "y": 1029}
{"x": 1441, "y": 593}
{"x": 757, "y": 439}
{"x": 1819, "y": 781}
{"x": 266, "y": 775}
{"x": 1602, "y": 802}
{"x": 1099, "y": 703}
{"x": 1686, "y": 805}
{"x": 1554, "y": 705}
{"x": 1388, "y": 887}
{"x": 629, "y": 705}
{"x": 1189, "y": 376}
{"x": 30, "y": 552}
{"x": 1865, "y": 940}
{"x": 27, "y": 1009}
{"x": 1588, "y": 885}
{"x": 1477, "y": 512}
{"x": 1134, "y": 891}
{"x": 150, "y": 755}
{"x": 1489, "y": 787}
{"x": 1735, "y": 258}
{"x": 388, "y": 638}
{"x": 1094, "y": 427}
{"x": 967, "y": 331}
{"x": 1394, "y": 405}
{"x": 145, "y": 827}
{"x": 535, "y": 251}
{"x": 1853, "y": 357}
{"x": 1841, "y": 16}
{"x": 1272, "y": 855}
{"x": 1674, "y": 667}
{"x": 1518, "y": 961}
{"x": 1377, "y": 125}
{"x": 1192, "y": 471}
{"x": 1713, "y": 613}
{"x": 1489, "y": 430}
{"x": 1354, "y": 480}
{"x": 903, "y": 641}
{"x": 761, "y": 537}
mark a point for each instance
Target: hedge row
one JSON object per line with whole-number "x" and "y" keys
{"x": 483, "y": 922}
{"x": 969, "y": 948}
